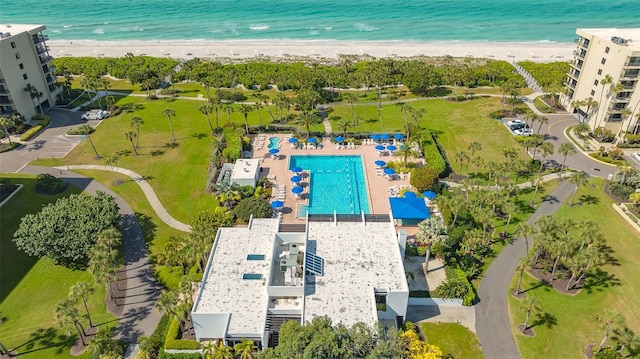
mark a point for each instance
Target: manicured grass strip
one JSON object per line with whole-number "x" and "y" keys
{"x": 31, "y": 287}
{"x": 453, "y": 339}
{"x": 569, "y": 322}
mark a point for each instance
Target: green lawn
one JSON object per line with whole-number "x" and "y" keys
{"x": 569, "y": 322}
{"x": 453, "y": 339}
{"x": 455, "y": 124}
{"x": 31, "y": 288}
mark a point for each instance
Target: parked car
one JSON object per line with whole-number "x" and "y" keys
{"x": 524, "y": 132}
{"x": 518, "y": 126}
{"x": 514, "y": 121}
{"x": 95, "y": 115}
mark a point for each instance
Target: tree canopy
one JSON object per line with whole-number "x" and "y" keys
{"x": 65, "y": 230}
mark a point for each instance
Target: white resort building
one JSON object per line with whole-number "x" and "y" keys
{"x": 25, "y": 64}
{"x": 606, "y": 67}
{"x": 260, "y": 276}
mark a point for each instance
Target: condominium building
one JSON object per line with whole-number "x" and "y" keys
{"x": 606, "y": 68}
{"x": 25, "y": 63}
{"x": 263, "y": 275}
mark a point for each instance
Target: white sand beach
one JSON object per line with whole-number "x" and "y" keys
{"x": 539, "y": 52}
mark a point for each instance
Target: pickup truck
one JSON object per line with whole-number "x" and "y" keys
{"x": 95, "y": 115}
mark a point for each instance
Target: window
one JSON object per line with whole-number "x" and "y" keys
{"x": 17, "y": 55}
{"x": 595, "y": 82}
{"x": 599, "y": 71}
{"x": 603, "y": 61}
{"x": 606, "y": 51}
{"x": 251, "y": 276}
{"x": 593, "y": 92}
{"x": 255, "y": 257}
{"x": 21, "y": 65}
{"x": 24, "y": 76}
{"x": 13, "y": 44}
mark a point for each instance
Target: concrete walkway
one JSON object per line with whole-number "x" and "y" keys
{"x": 492, "y": 314}
{"x": 139, "y": 315}
{"x": 146, "y": 189}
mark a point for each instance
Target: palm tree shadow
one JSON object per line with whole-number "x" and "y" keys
{"x": 43, "y": 339}
{"x": 171, "y": 145}
{"x": 548, "y": 320}
{"x": 599, "y": 280}
{"x": 199, "y": 135}
{"x": 541, "y": 283}
{"x": 156, "y": 153}
{"x": 587, "y": 199}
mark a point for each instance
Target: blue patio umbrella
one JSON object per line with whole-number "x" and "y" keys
{"x": 296, "y": 179}
{"x": 409, "y": 195}
{"x": 297, "y": 189}
{"x": 339, "y": 139}
{"x": 398, "y": 136}
{"x": 384, "y": 136}
{"x": 380, "y": 147}
{"x": 429, "y": 194}
{"x": 312, "y": 140}
{"x": 374, "y": 137}
{"x": 296, "y": 169}
{"x": 274, "y": 151}
{"x": 392, "y": 148}
{"x": 293, "y": 140}
{"x": 380, "y": 163}
{"x": 277, "y": 204}
{"x": 389, "y": 171}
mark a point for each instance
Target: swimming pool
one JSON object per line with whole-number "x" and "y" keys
{"x": 338, "y": 183}
{"x": 274, "y": 142}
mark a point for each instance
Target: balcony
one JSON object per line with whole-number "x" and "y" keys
{"x": 579, "y": 54}
{"x": 571, "y": 85}
{"x": 42, "y": 49}
{"x": 622, "y": 99}
{"x": 40, "y": 38}
{"x": 45, "y": 59}
{"x": 573, "y": 74}
{"x": 4, "y": 91}
{"x": 633, "y": 62}
{"x": 584, "y": 43}
{"x": 576, "y": 64}
{"x": 629, "y": 76}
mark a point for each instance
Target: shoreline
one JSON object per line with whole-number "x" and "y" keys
{"x": 329, "y": 49}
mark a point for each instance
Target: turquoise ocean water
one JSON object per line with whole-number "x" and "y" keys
{"x": 322, "y": 20}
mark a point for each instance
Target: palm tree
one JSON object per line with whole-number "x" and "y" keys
{"x": 136, "y": 122}
{"x": 245, "y": 349}
{"x": 6, "y": 123}
{"x": 591, "y": 106}
{"x": 130, "y": 136}
{"x": 344, "y": 125}
{"x": 246, "y": 110}
{"x": 455, "y": 203}
{"x": 546, "y": 150}
{"x": 229, "y": 110}
{"x": 608, "y": 320}
{"x": 206, "y": 110}
{"x": 216, "y": 105}
{"x": 579, "y": 179}
{"x": 508, "y": 208}
{"x": 529, "y": 305}
{"x": 473, "y": 148}
{"x": 168, "y": 302}
{"x": 103, "y": 265}
{"x": 581, "y": 128}
{"x": 103, "y": 345}
{"x": 265, "y": 100}
{"x": 566, "y": 149}
{"x": 257, "y": 106}
{"x": 525, "y": 230}
{"x": 67, "y": 315}
{"x": 577, "y": 104}
{"x": 524, "y": 264}
{"x": 208, "y": 348}
{"x": 351, "y": 98}
{"x": 34, "y": 93}
{"x": 626, "y": 338}
{"x": 306, "y": 120}
{"x": 222, "y": 351}
{"x": 461, "y": 156}
{"x": 607, "y": 80}
{"x": 537, "y": 180}
{"x": 86, "y": 129}
{"x": 113, "y": 162}
{"x": 543, "y": 121}
{"x": 82, "y": 290}
{"x": 430, "y": 231}
{"x": 169, "y": 113}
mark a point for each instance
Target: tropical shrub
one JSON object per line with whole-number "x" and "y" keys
{"x": 4, "y": 147}
{"x": 424, "y": 179}
{"x": 621, "y": 190}
{"x": 432, "y": 153}
{"x": 172, "y": 340}
{"x": 80, "y": 131}
{"x": 46, "y": 183}
{"x": 31, "y": 132}
{"x": 255, "y": 206}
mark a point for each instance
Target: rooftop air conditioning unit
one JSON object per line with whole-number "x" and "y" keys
{"x": 618, "y": 40}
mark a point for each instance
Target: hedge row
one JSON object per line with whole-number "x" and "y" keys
{"x": 8, "y": 147}
{"x": 31, "y": 132}
{"x": 171, "y": 341}
{"x": 470, "y": 298}
{"x": 432, "y": 154}
{"x": 233, "y": 151}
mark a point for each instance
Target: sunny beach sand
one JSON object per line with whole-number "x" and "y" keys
{"x": 542, "y": 52}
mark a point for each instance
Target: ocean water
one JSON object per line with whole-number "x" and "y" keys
{"x": 322, "y": 20}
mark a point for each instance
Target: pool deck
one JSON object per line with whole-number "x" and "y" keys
{"x": 378, "y": 186}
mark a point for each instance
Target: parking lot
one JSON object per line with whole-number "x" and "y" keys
{"x": 518, "y": 127}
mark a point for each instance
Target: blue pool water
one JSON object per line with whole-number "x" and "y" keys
{"x": 274, "y": 142}
{"x": 337, "y": 184}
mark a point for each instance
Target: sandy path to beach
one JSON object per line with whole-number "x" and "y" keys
{"x": 248, "y": 49}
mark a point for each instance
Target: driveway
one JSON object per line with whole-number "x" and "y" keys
{"x": 50, "y": 143}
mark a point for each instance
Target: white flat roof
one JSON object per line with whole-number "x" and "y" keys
{"x": 223, "y": 289}
{"x": 245, "y": 169}
{"x": 15, "y": 29}
{"x": 358, "y": 259}
{"x": 631, "y": 34}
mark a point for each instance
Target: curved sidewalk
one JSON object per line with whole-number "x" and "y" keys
{"x": 144, "y": 186}
{"x": 492, "y": 313}
{"x": 139, "y": 315}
